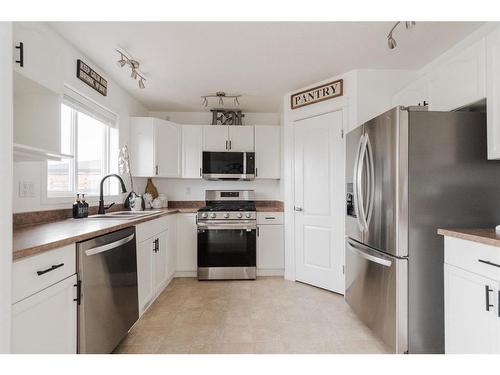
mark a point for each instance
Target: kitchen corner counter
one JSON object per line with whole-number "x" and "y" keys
{"x": 487, "y": 236}
{"x": 34, "y": 239}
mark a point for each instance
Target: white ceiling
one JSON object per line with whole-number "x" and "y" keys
{"x": 260, "y": 60}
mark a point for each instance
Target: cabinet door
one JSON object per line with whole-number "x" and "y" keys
{"x": 145, "y": 274}
{"x": 171, "y": 245}
{"x": 215, "y": 138}
{"x": 267, "y": 151}
{"x": 414, "y": 94}
{"x": 459, "y": 81}
{"x": 168, "y": 144}
{"x": 241, "y": 138}
{"x": 46, "y": 321}
{"x": 160, "y": 262}
{"x": 469, "y": 326}
{"x": 187, "y": 237}
{"x": 493, "y": 94}
{"x": 192, "y": 146}
{"x": 270, "y": 249}
{"x": 142, "y": 147}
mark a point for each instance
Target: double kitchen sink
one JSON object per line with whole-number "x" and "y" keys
{"x": 125, "y": 215}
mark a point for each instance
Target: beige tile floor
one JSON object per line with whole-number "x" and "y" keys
{"x": 270, "y": 315}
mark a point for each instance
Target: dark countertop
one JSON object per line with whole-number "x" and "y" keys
{"x": 487, "y": 236}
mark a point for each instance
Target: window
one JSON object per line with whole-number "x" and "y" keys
{"x": 93, "y": 141}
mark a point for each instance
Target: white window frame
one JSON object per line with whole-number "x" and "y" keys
{"x": 69, "y": 196}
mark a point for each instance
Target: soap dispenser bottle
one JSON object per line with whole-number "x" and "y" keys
{"x": 85, "y": 207}
{"x": 76, "y": 207}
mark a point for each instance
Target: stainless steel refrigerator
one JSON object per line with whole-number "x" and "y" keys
{"x": 409, "y": 172}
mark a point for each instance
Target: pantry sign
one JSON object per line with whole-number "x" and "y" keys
{"x": 317, "y": 94}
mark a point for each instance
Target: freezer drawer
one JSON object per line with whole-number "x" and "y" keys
{"x": 377, "y": 291}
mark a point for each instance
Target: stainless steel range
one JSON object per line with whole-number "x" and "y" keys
{"x": 227, "y": 235}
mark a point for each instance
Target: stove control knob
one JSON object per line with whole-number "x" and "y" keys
{"x": 247, "y": 215}
{"x": 226, "y": 215}
{"x": 239, "y": 215}
{"x": 212, "y": 215}
{"x": 204, "y": 215}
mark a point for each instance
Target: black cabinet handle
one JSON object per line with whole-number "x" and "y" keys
{"x": 20, "y": 47}
{"x": 78, "y": 286}
{"x": 230, "y": 145}
{"x": 488, "y": 290}
{"x": 489, "y": 263}
{"x": 52, "y": 268}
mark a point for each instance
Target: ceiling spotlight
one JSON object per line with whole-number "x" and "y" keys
{"x": 121, "y": 63}
{"x": 134, "y": 74}
{"x": 391, "y": 42}
{"x": 205, "y": 101}
{"x": 236, "y": 101}
{"x": 141, "y": 83}
{"x": 221, "y": 101}
{"x": 410, "y": 24}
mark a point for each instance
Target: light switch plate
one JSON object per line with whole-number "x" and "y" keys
{"x": 26, "y": 189}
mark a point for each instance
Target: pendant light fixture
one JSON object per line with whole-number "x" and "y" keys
{"x": 126, "y": 59}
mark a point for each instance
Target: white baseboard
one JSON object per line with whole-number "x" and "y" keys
{"x": 270, "y": 272}
{"x": 186, "y": 274}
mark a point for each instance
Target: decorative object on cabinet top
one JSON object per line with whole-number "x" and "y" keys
{"x": 486, "y": 236}
{"x": 225, "y": 117}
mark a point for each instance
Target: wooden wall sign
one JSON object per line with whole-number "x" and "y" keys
{"x": 317, "y": 94}
{"x": 91, "y": 78}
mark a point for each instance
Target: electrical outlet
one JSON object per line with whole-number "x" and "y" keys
{"x": 26, "y": 189}
{"x": 188, "y": 191}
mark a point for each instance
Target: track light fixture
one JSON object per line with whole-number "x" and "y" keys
{"x": 391, "y": 42}
{"x": 126, "y": 59}
{"x": 220, "y": 96}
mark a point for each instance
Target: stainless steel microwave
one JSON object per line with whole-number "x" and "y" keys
{"x": 228, "y": 165}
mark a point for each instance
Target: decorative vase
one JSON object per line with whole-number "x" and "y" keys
{"x": 151, "y": 189}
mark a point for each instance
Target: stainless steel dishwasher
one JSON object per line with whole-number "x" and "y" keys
{"x": 107, "y": 297}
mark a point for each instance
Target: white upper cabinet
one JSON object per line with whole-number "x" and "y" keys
{"x": 228, "y": 138}
{"x": 215, "y": 138}
{"x": 168, "y": 146}
{"x": 192, "y": 146}
{"x": 155, "y": 147}
{"x": 267, "y": 151}
{"x": 241, "y": 138}
{"x": 493, "y": 93}
{"x": 459, "y": 81}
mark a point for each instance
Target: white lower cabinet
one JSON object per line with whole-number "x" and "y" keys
{"x": 153, "y": 255}
{"x": 270, "y": 244}
{"x": 187, "y": 237}
{"x": 45, "y": 322}
{"x": 472, "y": 298}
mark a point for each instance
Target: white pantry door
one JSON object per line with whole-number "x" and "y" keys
{"x": 319, "y": 201}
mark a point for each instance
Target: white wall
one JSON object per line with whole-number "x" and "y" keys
{"x": 117, "y": 100}
{"x": 6, "y": 178}
{"x": 194, "y": 189}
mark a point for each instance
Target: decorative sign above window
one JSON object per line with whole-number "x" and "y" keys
{"x": 91, "y": 78}
{"x": 223, "y": 117}
{"x": 317, "y": 94}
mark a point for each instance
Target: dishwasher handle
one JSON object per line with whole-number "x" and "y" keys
{"x": 109, "y": 246}
{"x": 368, "y": 254}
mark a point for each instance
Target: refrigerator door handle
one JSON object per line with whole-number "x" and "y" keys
{"x": 371, "y": 171}
{"x": 356, "y": 184}
{"x": 359, "y": 176}
{"x": 368, "y": 254}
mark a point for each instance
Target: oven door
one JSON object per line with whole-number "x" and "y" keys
{"x": 227, "y": 245}
{"x": 228, "y": 165}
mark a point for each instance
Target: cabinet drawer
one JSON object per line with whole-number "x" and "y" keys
{"x": 150, "y": 229}
{"x": 33, "y": 274}
{"x": 473, "y": 257}
{"x": 269, "y": 218}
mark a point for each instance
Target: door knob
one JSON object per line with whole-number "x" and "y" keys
{"x": 298, "y": 208}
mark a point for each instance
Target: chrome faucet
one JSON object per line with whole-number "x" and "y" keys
{"x": 102, "y": 208}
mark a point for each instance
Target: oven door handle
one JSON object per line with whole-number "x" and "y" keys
{"x": 227, "y": 226}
